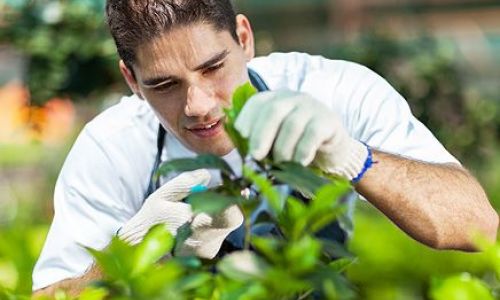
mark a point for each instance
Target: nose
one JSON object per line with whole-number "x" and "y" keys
{"x": 200, "y": 101}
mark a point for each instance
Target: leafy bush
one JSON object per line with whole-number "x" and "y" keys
{"x": 66, "y": 44}
{"x": 295, "y": 264}
{"x": 427, "y": 72}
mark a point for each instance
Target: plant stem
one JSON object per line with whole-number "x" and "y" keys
{"x": 246, "y": 245}
{"x": 304, "y": 296}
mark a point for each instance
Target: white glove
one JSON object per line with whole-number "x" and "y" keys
{"x": 301, "y": 129}
{"x": 165, "y": 207}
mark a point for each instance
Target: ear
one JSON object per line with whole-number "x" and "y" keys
{"x": 245, "y": 36}
{"x": 130, "y": 78}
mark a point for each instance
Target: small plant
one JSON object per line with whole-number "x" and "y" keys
{"x": 292, "y": 263}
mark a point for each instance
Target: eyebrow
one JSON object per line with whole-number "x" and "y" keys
{"x": 213, "y": 60}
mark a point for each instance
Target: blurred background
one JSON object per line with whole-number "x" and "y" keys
{"x": 58, "y": 69}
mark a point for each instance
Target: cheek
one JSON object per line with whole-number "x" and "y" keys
{"x": 169, "y": 112}
{"x": 229, "y": 84}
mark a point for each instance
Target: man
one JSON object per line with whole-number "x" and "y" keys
{"x": 183, "y": 59}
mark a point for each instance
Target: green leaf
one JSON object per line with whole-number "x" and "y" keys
{"x": 242, "y": 266}
{"x": 269, "y": 248}
{"x": 93, "y": 294}
{"x": 115, "y": 260}
{"x": 303, "y": 255}
{"x": 293, "y": 220}
{"x": 460, "y": 287}
{"x": 240, "y": 97}
{"x": 211, "y": 202}
{"x": 266, "y": 188}
{"x": 188, "y": 262}
{"x": 328, "y": 195}
{"x": 195, "y": 281}
{"x": 204, "y": 161}
{"x": 284, "y": 285}
{"x": 299, "y": 178}
{"x": 183, "y": 233}
{"x": 159, "y": 282}
{"x": 239, "y": 141}
{"x": 341, "y": 264}
{"x": 248, "y": 206}
{"x": 157, "y": 243}
{"x": 335, "y": 250}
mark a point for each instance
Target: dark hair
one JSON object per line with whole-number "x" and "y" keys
{"x": 133, "y": 22}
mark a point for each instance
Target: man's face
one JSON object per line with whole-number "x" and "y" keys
{"x": 188, "y": 76}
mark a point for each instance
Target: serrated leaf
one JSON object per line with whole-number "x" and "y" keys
{"x": 299, "y": 178}
{"x": 266, "y": 188}
{"x": 211, "y": 202}
{"x": 203, "y": 161}
{"x": 157, "y": 243}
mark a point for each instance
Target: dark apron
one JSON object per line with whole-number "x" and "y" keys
{"x": 234, "y": 241}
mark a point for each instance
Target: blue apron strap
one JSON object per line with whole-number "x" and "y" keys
{"x": 154, "y": 184}
{"x": 257, "y": 81}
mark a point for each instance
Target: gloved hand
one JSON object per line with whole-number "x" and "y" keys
{"x": 301, "y": 129}
{"x": 165, "y": 206}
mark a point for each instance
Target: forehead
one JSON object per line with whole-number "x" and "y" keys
{"x": 182, "y": 47}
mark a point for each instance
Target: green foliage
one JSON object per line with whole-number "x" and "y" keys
{"x": 460, "y": 287}
{"x": 391, "y": 265}
{"x": 427, "y": 72}
{"x": 204, "y": 161}
{"x": 66, "y": 45}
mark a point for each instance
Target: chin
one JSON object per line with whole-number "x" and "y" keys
{"x": 219, "y": 148}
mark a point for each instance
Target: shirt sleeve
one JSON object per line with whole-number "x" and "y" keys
{"x": 89, "y": 208}
{"x": 382, "y": 119}
{"x": 372, "y": 111}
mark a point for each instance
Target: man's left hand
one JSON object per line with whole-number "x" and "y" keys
{"x": 301, "y": 129}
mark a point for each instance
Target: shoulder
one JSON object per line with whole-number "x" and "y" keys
{"x": 130, "y": 113}
{"x": 299, "y": 71}
{"x": 113, "y": 154}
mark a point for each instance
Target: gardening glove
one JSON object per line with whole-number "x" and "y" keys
{"x": 301, "y": 129}
{"x": 165, "y": 206}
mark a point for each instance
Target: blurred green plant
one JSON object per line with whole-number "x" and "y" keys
{"x": 66, "y": 44}
{"x": 391, "y": 265}
{"x": 427, "y": 72}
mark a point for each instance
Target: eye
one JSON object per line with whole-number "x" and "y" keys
{"x": 213, "y": 68}
{"x": 165, "y": 87}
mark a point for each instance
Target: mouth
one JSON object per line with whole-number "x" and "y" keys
{"x": 207, "y": 130}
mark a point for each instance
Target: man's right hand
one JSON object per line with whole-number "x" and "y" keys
{"x": 165, "y": 206}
